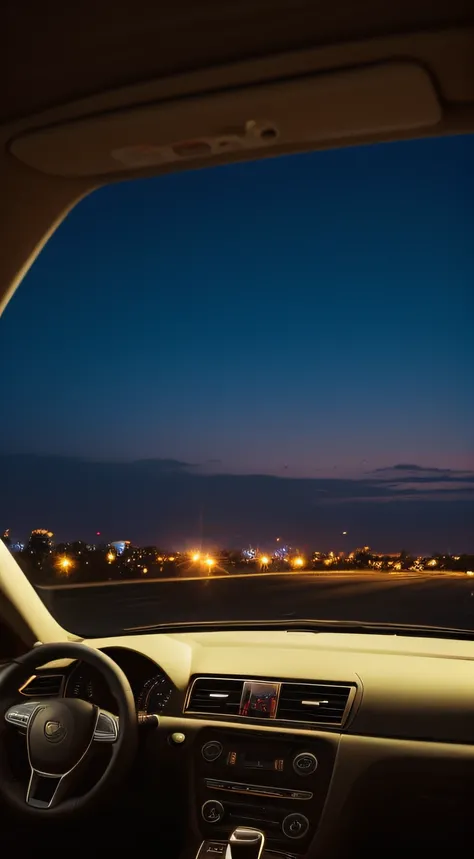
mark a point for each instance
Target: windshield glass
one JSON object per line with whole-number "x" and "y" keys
{"x": 246, "y": 393}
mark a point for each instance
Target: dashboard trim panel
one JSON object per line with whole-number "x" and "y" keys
{"x": 353, "y": 688}
{"x": 264, "y": 790}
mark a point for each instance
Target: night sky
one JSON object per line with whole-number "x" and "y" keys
{"x": 281, "y": 346}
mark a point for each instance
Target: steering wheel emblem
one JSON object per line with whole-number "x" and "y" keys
{"x": 54, "y": 731}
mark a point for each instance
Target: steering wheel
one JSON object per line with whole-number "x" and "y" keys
{"x": 62, "y": 733}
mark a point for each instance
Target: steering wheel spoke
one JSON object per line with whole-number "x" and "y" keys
{"x": 107, "y": 728}
{"x": 43, "y": 789}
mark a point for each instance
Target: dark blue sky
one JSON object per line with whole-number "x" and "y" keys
{"x": 305, "y": 317}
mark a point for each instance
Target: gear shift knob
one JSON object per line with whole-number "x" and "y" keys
{"x": 245, "y": 843}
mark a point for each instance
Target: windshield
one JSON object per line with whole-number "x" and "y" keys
{"x": 245, "y": 393}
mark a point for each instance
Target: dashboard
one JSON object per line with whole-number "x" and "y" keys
{"x": 310, "y": 737}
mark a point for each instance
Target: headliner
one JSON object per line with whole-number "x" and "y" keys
{"x": 58, "y": 52}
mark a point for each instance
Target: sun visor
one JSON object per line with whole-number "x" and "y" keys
{"x": 328, "y": 108}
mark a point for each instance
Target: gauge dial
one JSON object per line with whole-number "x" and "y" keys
{"x": 82, "y": 687}
{"x": 154, "y": 695}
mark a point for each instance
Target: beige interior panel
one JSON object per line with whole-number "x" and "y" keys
{"x": 378, "y": 99}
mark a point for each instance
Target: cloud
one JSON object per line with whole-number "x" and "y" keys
{"x": 161, "y": 466}
{"x": 417, "y": 469}
{"x": 171, "y": 502}
{"x": 405, "y": 467}
{"x": 417, "y": 478}
{"x": 432, "y": 486}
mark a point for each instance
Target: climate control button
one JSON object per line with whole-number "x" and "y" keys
{"x": 295, "y": 825}
{"x": 211, "y": 751}
{"x": 305, "y": 763}
{"x": 212, "y": 811}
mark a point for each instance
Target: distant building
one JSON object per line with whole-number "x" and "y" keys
{"x": 11, "y": 544}
{"x": 41, "y": 541}
{"x": 120, "y": 546}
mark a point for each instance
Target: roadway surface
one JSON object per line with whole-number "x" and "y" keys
{"x": 102, "y": 610}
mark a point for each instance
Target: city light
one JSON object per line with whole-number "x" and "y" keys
{"x": 64, "y": 565}
{"x": 85, "y": 561}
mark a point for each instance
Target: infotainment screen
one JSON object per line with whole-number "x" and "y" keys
{"x": 259, "y": 699}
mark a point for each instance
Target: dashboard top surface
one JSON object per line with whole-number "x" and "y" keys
{"x": 421, "y": 689}
{"x": 296, "y": 655}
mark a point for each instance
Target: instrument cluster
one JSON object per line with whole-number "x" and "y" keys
{"x": 151, "y": 687}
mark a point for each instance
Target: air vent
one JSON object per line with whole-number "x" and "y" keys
{"x": 321, "y": 704}
{"x": 43, "y": 686}
{"x": 215, "y": 695}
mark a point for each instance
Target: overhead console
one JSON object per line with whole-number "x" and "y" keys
{"x": 377, "y": 99}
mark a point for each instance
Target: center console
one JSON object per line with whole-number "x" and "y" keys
{"x": 270, "y": 782}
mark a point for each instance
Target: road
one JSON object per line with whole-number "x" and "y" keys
{"x": 439, "y": 600}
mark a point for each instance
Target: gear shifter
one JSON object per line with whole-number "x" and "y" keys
{"x": 245, "y": 843}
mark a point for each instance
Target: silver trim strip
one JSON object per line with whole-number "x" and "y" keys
{"x": 257, "y": 789}
{"x": 352, "y": 687}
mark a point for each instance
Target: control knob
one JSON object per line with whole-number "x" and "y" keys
{"x": 211, "y": 751}
{"x": 305, "y": 763}
{"x": 295, "y": 825}
{"x": 212, "y": 811}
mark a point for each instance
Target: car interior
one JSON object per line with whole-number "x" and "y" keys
{"x": 255, "y": 739}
